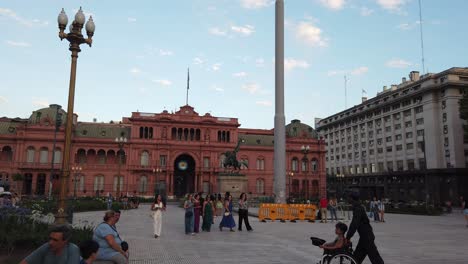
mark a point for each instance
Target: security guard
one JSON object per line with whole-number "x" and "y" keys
{"x": 360, "y": 222}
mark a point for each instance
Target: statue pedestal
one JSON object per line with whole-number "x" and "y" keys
{"x": 232, "y": 182}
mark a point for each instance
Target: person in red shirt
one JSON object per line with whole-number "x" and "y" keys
{"x": 323, "y": 209}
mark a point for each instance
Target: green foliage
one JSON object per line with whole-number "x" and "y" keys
{"x": 18, "y": 177}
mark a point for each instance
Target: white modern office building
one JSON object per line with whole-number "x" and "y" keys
{"x": 411, "y": 127}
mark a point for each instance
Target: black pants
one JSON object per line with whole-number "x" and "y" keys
{"x": 243, "y": 215}
{"x": 367, "y": 248}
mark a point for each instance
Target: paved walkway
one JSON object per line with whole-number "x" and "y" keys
{"x": 402, "y": 239}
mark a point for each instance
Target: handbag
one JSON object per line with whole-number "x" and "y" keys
{"x": 227, "y": 213}
{"x": 188, "y": 214}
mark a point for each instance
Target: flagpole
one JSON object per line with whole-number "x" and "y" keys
{"x": 188, "y": 85}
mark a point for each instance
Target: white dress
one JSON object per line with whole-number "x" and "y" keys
{"x": 157, "y": 217}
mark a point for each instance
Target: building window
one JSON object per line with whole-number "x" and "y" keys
{"x": 422, "y": 164}
{"x": 407, "y": 113}
{"x": 162, "y": 161}
{"x": 244, "y": 163}
{"x": 409, "y": 134}
{"x": 260, "y": 186}
{"x": 143, "y": 184}
{"x": 98, "y": 183}
{"x": 409, "y": 146}
{"x": 101, "y": 156}
{"x": 380, "y": 166}
{"x": 388, "y": 129}
{"x": 304, "y": 163}
{"x": 44, "y": 155}
{"x": 82, "y": 183}
{"x": 399, "y": 165}
{"x": 398, "y": 126}
{"x": 408, "y": 124}
{"x": 206, "y": 162}
{"x": 260, "y": 164}
{"x": 221, "y": 160}
{"x": 390, "y": 166}
{"x": 418, "y": 109}
{"x": 388, "y": 139}
{"x": 144, "y": 159}
{"x": 118, "y": 183}
{"x": 398, "y": 137}
{"x": 419, "y": 121}
{"x": 399, "y": 147}
{"x": 410, "y": 163}
{"x": 420, "y": 132}
{"x": 30, "y": 155}
{"x": 380, "y": 150}
{"x": 295, "y": 164}
{"x": 314, "y": 165}
{"x": 389, "y": 149}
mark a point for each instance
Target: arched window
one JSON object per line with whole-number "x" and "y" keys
{"x": 192, "y": 134}
{"x": 143, "y": 184}
{"x": 314, "y": 165}
{"x": 98, "y": 183}
{"x": 260, "y": 163}
{"x": 101, "y": 156}
{"x": 221, "y": 160}
{"x": 144, "y": 161}
{"x": 44, "y": 155}
{"x": 179, "y": 134}
{"x": 228, "y": 136}
{"x": 81, "y": 156}
{"x": 57, "y": 156}
{"x": 223, "y": 136}
{"x": 146, "y": 132}
{"x": 185, "y": 134}
{"x": 6, "y": 153}
{"x": 141, "y": 132}
{"x": 30, "y": 153}
{"x": 295, "y": 164}
{"x": 304, "y": 167}
{"x": 260, "y": 186}
{"x": 116, "y": 183}
{"x": 197, "y": 134}
{"x": 219, "y": 136}
{"x": 150, "y": 132}
{"x": 121, "y": 157}
{"x": 244, "y": 163}
{"x": 173, "y": 133}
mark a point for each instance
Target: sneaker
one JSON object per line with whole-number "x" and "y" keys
{"x": 193, "y": 234}
{"x": 232, "y": 230}
{"x": 250, "y": 230}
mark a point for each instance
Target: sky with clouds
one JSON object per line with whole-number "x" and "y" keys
{"x": 142, "y": 49}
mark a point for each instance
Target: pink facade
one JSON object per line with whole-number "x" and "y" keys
{"x": 183, "y": 151}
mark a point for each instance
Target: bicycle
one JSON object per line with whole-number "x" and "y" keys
{"x": 339, "y": 256}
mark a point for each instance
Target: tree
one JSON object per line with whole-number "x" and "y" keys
{"x": 463, "y": 106}
{"x": 18, "y": 177}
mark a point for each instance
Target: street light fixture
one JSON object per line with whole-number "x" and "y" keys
{"x": 121, "y": 142}
{"x": 76, "y": 39}
{"x": 305, "y": 151}
{"x": 290, "y": 175}
{"x": 156, "y": 186}
{"x": 76, "y": 172}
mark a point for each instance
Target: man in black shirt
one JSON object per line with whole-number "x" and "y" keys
{"x": 360, "y": 223}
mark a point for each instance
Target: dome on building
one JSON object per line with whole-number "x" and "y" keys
{"x": 300, "y": 130}
{"x": 47, "y": 115}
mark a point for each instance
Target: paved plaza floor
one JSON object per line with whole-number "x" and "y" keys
{"x": 402, "y": 239}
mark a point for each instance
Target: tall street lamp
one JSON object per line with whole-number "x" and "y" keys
{"x": 290, "y": 175}
{"x": 121, "y": 142}
{"x": 76, "y": 39}
{"x": 305, "y": 151}
{"x": 76, "y": 172}
{"x": 58, "y": 123}
{"x": 156, "y": 185}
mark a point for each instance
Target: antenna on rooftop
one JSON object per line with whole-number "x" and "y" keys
{"x": 422, "y": 40}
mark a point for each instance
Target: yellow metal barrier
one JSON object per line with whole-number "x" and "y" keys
{"x": 285, "y": 212}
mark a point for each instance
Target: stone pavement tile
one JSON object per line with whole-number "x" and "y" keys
{"x": 404, "y": 239}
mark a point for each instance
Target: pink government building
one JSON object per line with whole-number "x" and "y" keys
{"x": 183, "y": 151}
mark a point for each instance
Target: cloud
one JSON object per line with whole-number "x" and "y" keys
{"x": 40, "y": 102}
{"x": 252, "y": 88}
{"x": 360, "y": 70}
{"x": 20, "y": 44}
{"x": 135, "y": 71}
{"x": 263, "y": 103}
{"x": 405, "y": 26}
{"x": 10, "y": 14}
{"x": 356, "y": 71}
{"x": 217, "y": 32}
{"x": 291, "y": 64}
{"x": 163, "y": 82}
{"x": 255, "y": 4}
{"x": 398, "y": 63}
{"x": 165, "y": 52}
{"x": 246, "y": 30}
{"x": 216, "y": 66}
{"x": 366, "y": 11}
{"x": 333, "y": 4}
{"x": 260, "y": 62}
{"x": 3, "y": 100}
{"x": 310, "y": 34}
{"x": 239, "y": 74}
{"x": 217, "y": 88}
{"x": 391, "y": 5}
{"x": 198, "y": 61}
{"x": 131, "y": 20}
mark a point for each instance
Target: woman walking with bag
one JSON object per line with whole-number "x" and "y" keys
{"x": 188, "y": 206}
{"x": 244, "y": 212}
{"x": 228, "y": 220}
{"x": 157, "y": 208}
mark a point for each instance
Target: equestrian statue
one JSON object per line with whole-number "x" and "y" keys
{"x": 230, "y": 160}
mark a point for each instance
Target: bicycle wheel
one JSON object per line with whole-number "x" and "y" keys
{"x": 342, "y": 258}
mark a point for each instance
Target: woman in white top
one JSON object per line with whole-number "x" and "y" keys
{"x": 381, "y": 207}
{"x": 157, "y": 208}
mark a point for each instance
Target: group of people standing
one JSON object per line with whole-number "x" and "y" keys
{"x": 377, "y": 210}
{"x": 211, "y": 207}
